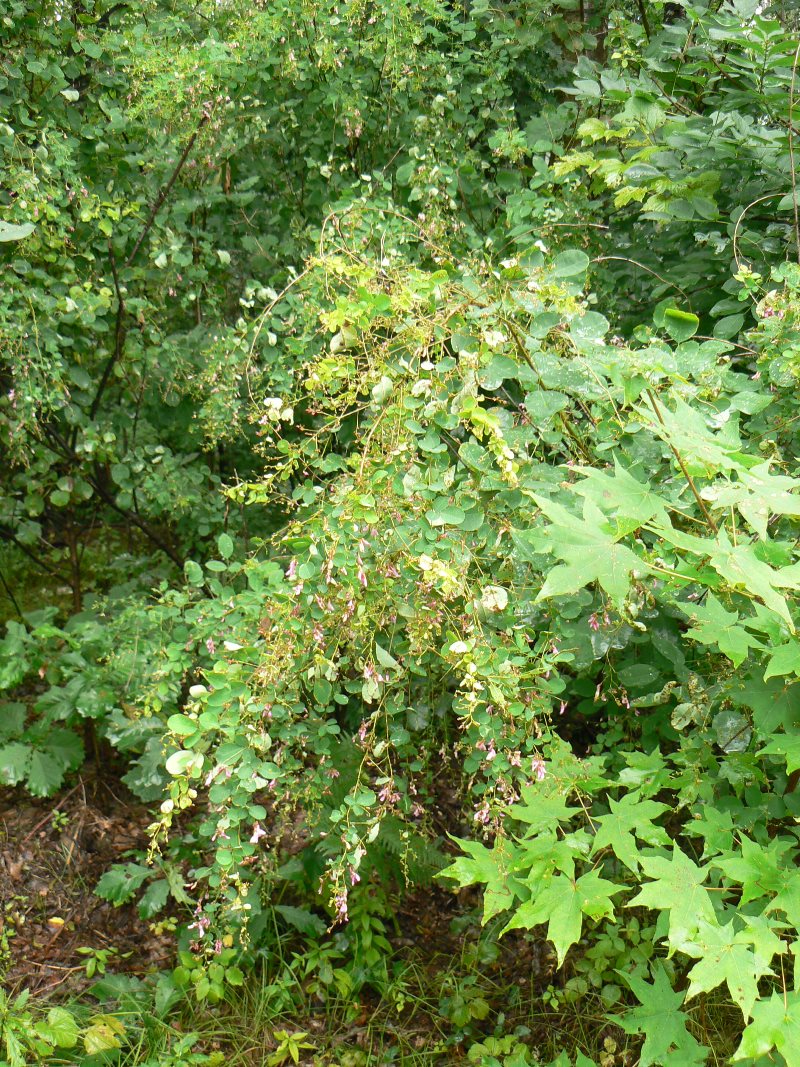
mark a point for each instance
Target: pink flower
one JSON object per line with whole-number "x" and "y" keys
{"x": 212, "y": 648}
{"x": 291, "y": 570}
{"x": 593, "y": 623}
{"x": 538, "y": 768}
{"x": 354, "y": 876}
{"x": 258, "y": 833}
{"x": 340, "y": 903}
{"x": 201, "y": 924}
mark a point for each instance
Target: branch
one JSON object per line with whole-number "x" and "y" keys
{"x": 162, "y": 196}
{"x": 645, "y": 20}
{"x": 9, "y": 536}
{"x": 119, "y": 338}
{"x": 135, "y": 520}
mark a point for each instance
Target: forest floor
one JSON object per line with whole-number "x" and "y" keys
{"x": 52, "y": 854}
{"x": 54, "y": 851}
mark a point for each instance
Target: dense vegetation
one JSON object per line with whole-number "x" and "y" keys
{"x": 398, "y": 406}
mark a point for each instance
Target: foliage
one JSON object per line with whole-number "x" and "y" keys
{"x": 400, "y": 402}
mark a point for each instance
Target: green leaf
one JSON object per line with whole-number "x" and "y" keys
{"x": 193, "y": 572}
{"x": 541, "y": 810}
{"x": 629, "y": 818}
{"x": 45, "y": 773}
{"x": 562, "y": 902}
{"x": 715, "y": 626}
{"x": 739, "y": 960}
{"x": 103, "y": 1035}
{"x": 184, "y": 761}
{"x": 14, "y": 762}
{"x": 302, "y": 919}
{"x": 785, "y": 660}
{"x": 154, "y": 898}
{"x": 385, "y": 659}
{"x": 119, "y": 884}
{"x": 570, "y": 263}
{"x": 11, "y": 232}
{"x": 60, "y": 1028}
{"x": 758, "y": 869}
{"x": 489, "y": 867}
{"x": 621, "y": 496}
{"x": 786, "y": 745}
{"x": 182, "y": 725}
{"x": 444, "y": 514}
{"x": 678, "y": 888}
{"x": 225, "y": 545}
{"x": 680, "y": 325}
{"x": 775, "y": 1025}
{"x": 667, "y": 1041}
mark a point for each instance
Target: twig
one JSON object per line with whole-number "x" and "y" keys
{"x": 119, "y": 337}
{"x": 10, "y": 593}
{"x": 636, "y": 263}
{"x": 645, "y": 19}
{"x": 162, "y": 196}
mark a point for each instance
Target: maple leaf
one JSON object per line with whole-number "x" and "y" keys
{"x": 662, "y": 1022}
{"x": 775, "y": 1025}
{"x": 487, "y": 866}
{"x": 541, "y": 810}
{"x": 786, "y": 745}
{"x": 589, "y": 551}
{"x": 759, "y": 869}
{"x": 774, "y": 703}
{"x": 713, "y": 625}
{"x": 629, "y": 818}
{"x": 758, "y": 494}
{"x": 562, "y": 902}
{"x": 787, "y": 898}
{"x": 677, "y": 887}
{"x": 622, "y": 496}
{"x": 739, "y": 959}
{"x": 739, "y": 565}
{"x": 716, "y": 829}
{"x": 686, "y": 430}
{"x": 785, "y": 660}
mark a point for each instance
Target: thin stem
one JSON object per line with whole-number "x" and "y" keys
{"x": 682, "y": 465}
{"x": 791, "y": 154}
